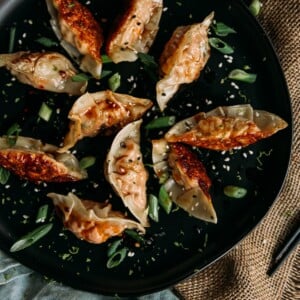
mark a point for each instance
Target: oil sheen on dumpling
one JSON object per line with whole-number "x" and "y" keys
{"x": 91, "y": 221}
{"x": 126, "y": 172}
{"x": 103, "y": 112}
{"x": 135, "y": 30}
{"x": 32, "y": 160}
{"x": 48, "y": 71}
{"x": 79, "y": 33}
{"x": 226, "y": 127}
{"x": 183, "y": 58}
{"x": 184, "y": 178}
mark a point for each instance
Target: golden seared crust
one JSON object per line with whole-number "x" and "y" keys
{"x": 83, "y": 25}
{"x": 187, "y": 169}
{"x": 35, "y": 166}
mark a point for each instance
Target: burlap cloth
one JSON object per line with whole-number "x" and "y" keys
{"x": 241, "y": 274}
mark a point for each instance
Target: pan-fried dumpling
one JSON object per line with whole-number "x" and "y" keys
{"x": 32, "y": 160}
{"x": 48, "y": 71}
{"x": 183, "y": 58}
{"x": 185, "y": 179}
{"x": 104, "y": 112}
{"x": 91, "y": 221}
{"x": 135, "y": 30}
{"x": 226, "y": 127}
{"x": 79, "y": 33}
{"x": 126, "y": 172}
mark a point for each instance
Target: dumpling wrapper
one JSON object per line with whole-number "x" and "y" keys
{"x": 135, "y": 30}
{"x": 184, "y": 178}
{"x": 226, "y": 127}
{"x": 32, "y": 160}
{"x": 79, "y": 33}
{"x": 126, "y": 172}
{"x": 48, "y": 71}
{"x": 102, "y": 112}
{"x": 91, "y": 221}
{"x": 183, "y": 58}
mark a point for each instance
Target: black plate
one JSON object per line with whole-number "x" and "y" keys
{"x": 178, "y": 245}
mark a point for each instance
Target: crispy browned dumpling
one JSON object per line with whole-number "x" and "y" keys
{"x": 184, "y": 178}
{"x": 48, "y": 71}
{"x": 79, "y": 33}
{"x": 91, "y": 221}
{"x": 102, "y": 112}
{"x": 226, "y": 127}
{"x": 126, "y": 172}
{"x": 32, "y": 160}
{"x": 135, "y": 30}
{"x": 183, "y": 58}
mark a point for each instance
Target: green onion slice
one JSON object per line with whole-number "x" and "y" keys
{"x": 241, "y": 75}
{"x": 45, "y": 112}
{"x": 220, "y": 45}
{"x": 116, "y": 258}
{"x": 42, "y": 214}
{"x": 112, "y": 249}
{"x": 114, "y": 81}
{"x": 150, "y": 65}
{"x": 255, "y": 7}
{"x": 87, "y": 162}
{"x": 105, "y": 59}
{"x": 4, "y": 175}
{"x": 161, "y": 122}
{"x": 234, "y": 191}
{"x": 153, "y": 208}
{"x": 165, "y": 200}
{"x": 31, "y": 237}
{"x": 13, "y": 133}
{"x": 105, "y": 73}
{"x": 80, "y": 77}
{"x": 46, "y": 42}
{"x": 135, "y": 235}
{"x": 222, "y": 29}
{"x": 12, "y": 37}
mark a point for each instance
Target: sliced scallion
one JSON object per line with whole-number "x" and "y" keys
{"x": 222, "y": 29}
{"x": 241, "y": 75}
{"x": 234, "y": 191}
{"x": 105, "y": 59}
{"x": 87, "y": 162}
{"x": 255, "y": 7}
{"x": 112, "y": 249}
{"x": 220, "y": 45}
{"x": 13, "y": 133}
{"x": 150, "y": 65}
{"x": 161, "y": 122}
{"x": 164, "y": 199}
{"x": 105, "y": 73}
{"x": 114, "y": 81}
{"x": 4, "y": 175}
{"x": 12, "y": 37}
{"x": 116, "y": 258}
{"x": 46, "y": 42}
{"x": 133, "y": 234}
{"x": 31, "y": 237}
{"x": 80, "y": 77}
{"x": 153, "y": 208}
{"x": 42, "y": 214}
{"x": 45, "y": 112}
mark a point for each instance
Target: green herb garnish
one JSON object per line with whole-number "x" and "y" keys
{"x": 241, "y": 75}
{"x": 153, "y": 208}
{"x": 31, "y": 237}
{"x": 255, "y": 7}
{"x": 150, "y": 65}
{"x": 105, "y": 73}
{"x": 4, "y": 175}
{"x": 87, "y": 162}
{"x": 161, "y": 122}
{"x": 80, "y": 77}
{"x": 222, "y": 29}
{"x": 106, "y": 59}
{"x": 135, "y": 235}
{"x": 234, "y": 191}
{"x": 220, "y": 45}
{"x": 42, "y": 214}
{"x": 165, "y": 200}
{"x": 12, "y": 37}
{"x": 114, "y": 81}
{"x": 116, "y": 258}
{"x": 46, "y": 42}
{"x": 13, "y": 134}
{"x": 45, "y": 112}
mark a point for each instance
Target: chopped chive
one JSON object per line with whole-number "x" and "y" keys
{"x": 150, "y": 65}
{"x": 4, "y": 175}
{"x": 241, "y": 75}
{"x": 105, "y": 73}
{"x": 45, "y": 112}
{"x": 31, "y": 237}
{"x": 116, "y": 258}
{"x": 46, "y": 42}
{"x": 164, "y": 199}
{"x": 220, "y": 45}
{"x": 113, "y": 247}
{"x": 153, "y": 208}
{"x": 114, "y": 81}
{"x": 42, "y": 214}
{"x": 255, "y": 7}
{"x": 13, "y": 133}
{"x": 234, "y": 191}
{"x": 106, "y": 59}
{"x": 161, "y": 122}
{"x": 80, "y": 77}
{"x": 12, "y": 37}
{"x": 87, "y": 162}
{"x": 222, "y": 29}
{"x": 135, "y": 235}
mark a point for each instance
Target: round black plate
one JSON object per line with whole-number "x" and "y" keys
{"x": 178, "y": 245}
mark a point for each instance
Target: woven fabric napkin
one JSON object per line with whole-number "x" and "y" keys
{"x": 241, "y": 274}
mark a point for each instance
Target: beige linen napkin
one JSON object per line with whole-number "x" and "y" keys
{"x": 241, "y": 274}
